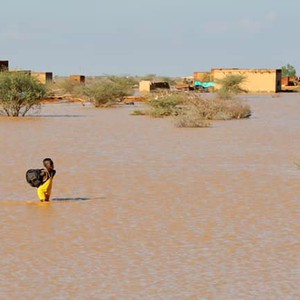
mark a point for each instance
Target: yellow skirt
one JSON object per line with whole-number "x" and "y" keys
{"x": 44, "y": 191}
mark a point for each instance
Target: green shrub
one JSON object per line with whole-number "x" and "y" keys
{"x": 109, "y": 90}
{"x": 72, "y": 87}
{"x": 289, "y": 71}
{"x": 68, "y": 85}
{"x": 19, "y": 92}
{"x": 125, "y": 82}
{"x": 230, "y": 86}
{"x": 164, "y": 105}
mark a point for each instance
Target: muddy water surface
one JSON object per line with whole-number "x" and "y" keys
{"x": 147, "y": 211}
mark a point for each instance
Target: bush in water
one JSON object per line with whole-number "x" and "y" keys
{"x": 19, "y": 92}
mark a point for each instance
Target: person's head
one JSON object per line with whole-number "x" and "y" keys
{"x": 48, "y": 164}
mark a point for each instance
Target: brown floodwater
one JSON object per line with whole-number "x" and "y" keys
{"x": 145, "y": 210}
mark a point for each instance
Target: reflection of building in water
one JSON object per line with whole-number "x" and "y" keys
{"x": 4, "y": 65}
{"x": 149, "y": 86}
{"x": 256, "y": 80}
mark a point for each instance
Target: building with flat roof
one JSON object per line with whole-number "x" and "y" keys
{"x": 4, "y": 65}
{"x": 147, "y": 86}
{"x": 256, "y": 80}
{"x": 43, "y": 77}
{"x": 78, "y": 78}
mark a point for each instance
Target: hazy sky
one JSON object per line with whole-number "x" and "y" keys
{"x": 165, "y": 37}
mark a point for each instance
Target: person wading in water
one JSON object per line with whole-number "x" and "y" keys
{"x": 47, "y": 174}
{"x": 42, "y": 179}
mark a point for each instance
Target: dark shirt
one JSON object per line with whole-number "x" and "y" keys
{"x": 47, "y": 174}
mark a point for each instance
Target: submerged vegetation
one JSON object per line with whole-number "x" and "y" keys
{"x": 164, "y": 105}
{"x": 198, "y": 111}
{"x": 195, "y": 110}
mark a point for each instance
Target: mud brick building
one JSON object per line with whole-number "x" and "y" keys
{"x": 256, "y": 80}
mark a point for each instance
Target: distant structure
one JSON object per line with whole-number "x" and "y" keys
{"x": 186, "y": 84}
{"x": 202, "y": 76}
{"x": 43, "y": 77}
{"x": 256, "y": 80}
{"x": 4, "y": 65}
{"x": 78, "y": 78}
{"x": 147, "y": 86}
{"x": 290, "y": 81}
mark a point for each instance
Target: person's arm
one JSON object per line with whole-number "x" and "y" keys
{"x": 44, "y": 174}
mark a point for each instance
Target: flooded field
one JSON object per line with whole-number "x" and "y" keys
{"x": 148, "y": 211}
